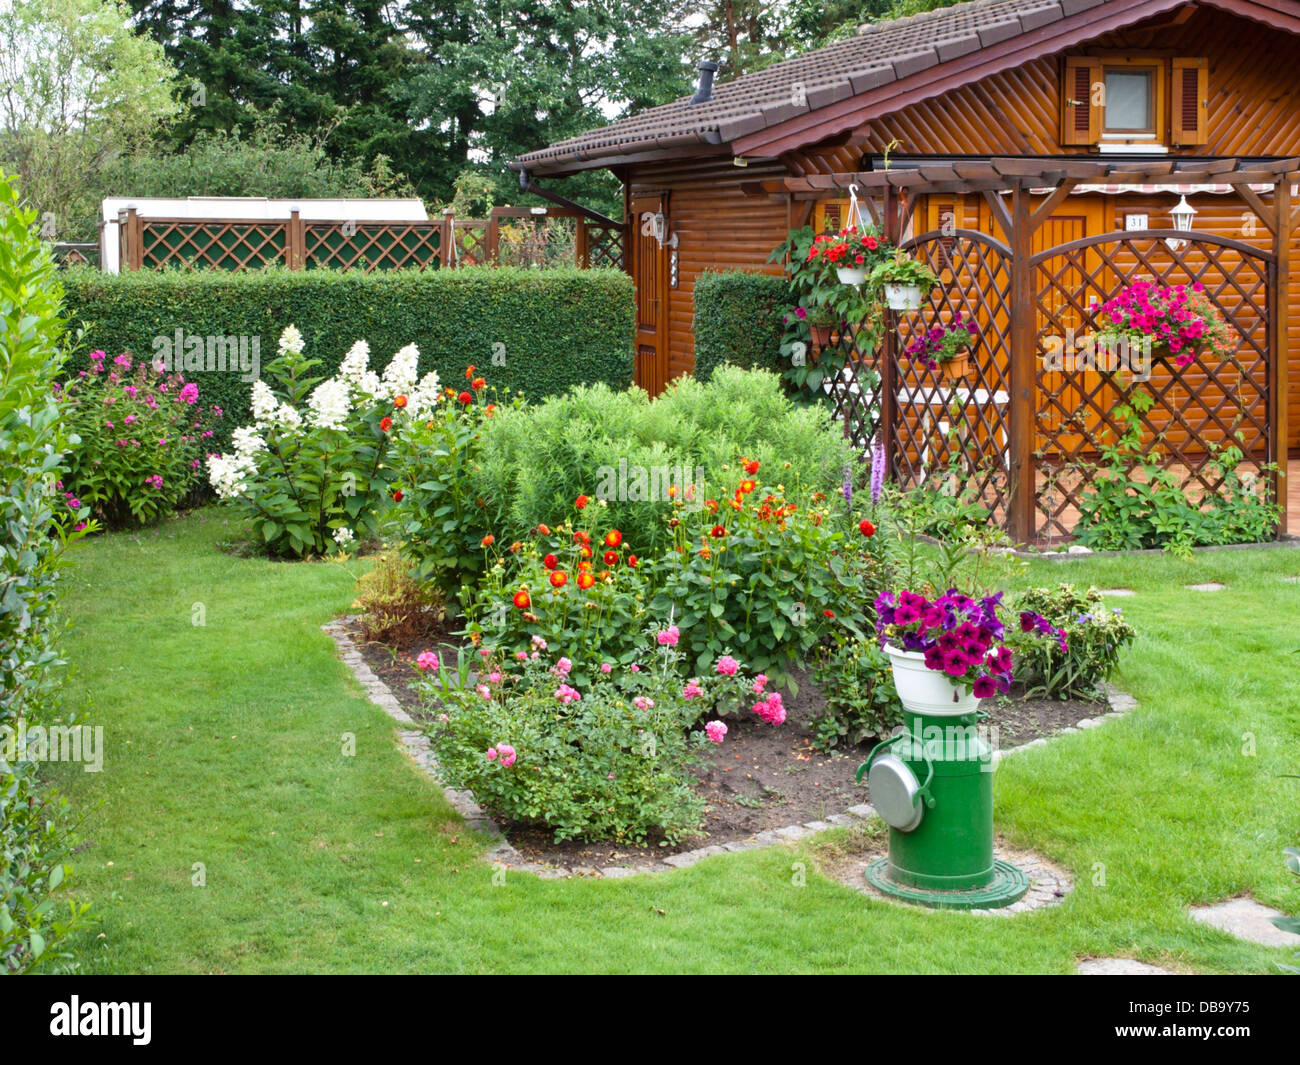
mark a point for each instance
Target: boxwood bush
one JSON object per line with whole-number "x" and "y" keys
{"x": 738, "y": 320}
{"x": 539, "y": 331}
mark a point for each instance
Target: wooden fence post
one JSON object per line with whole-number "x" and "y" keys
{"x": 1022, "y": 382}
{"x": 491, "y": 252}
{"x": 581, "y": 252}
{"x": 129, "y": 235}
{"x": 293, "y": 241}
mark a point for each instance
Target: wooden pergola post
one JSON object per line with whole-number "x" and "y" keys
{"x": 1278, "y": 324}
{"x": 1022, "y": 375}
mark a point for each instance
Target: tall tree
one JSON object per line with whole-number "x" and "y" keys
{"x": 77, "y": 86}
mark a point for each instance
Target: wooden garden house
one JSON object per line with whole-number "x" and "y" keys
{"x": 1032, "y": 151}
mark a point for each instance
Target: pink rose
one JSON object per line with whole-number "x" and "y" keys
{"x": 727, "y": 666}
{"x": 715, "y": 731}
{"x": 507, "y": 754}
{"x": 427, "y": 660}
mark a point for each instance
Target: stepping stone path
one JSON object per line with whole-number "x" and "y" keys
{"x": 1208, "y": 586}
{"x": 1292, "y": 580}
{"x": 1119, "y": 967}
{"x": 1117, "y": 592}
{"x": 1246, "y": 919}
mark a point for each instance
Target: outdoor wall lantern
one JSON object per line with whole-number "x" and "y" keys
{"x": 1183, "y": 216}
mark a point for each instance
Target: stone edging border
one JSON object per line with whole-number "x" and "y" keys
{"x": 1069, "y": 554}
{"x": 416, "y": 744}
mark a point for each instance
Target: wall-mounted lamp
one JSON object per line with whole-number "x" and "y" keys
{"x": 1183, "y": 216}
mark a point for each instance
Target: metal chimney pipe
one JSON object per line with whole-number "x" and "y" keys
{"x": 704, "y": 93}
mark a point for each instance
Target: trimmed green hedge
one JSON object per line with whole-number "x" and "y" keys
{"x": 550, "y": 329}
{"x": 738, "y": 321}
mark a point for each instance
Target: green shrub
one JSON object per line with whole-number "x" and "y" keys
{"x": 857, "y": 682}
{"x": 1094, "y": 637}
{"x": 34, "y": 831}
{"x": 738, "y": 321}
{"x": 753, "y": 574}
{"x": 595, "y": 441}
{"x": 580, "y": 590}
{"x": 540, "y": 331}
{"x": 143, "y": 435}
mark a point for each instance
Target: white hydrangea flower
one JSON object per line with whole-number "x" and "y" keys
{"x": 399, "y": 375}
{"x": 425, "y": 395}
{"x": 228, "y": 474}
{"x": 369, "y": 386}
{"x": 247, "y": 442}
{"x": 291, "y": 340}
{"x": 288, "y": 417}
{"x": 330, "y": 402}
{"x": 264, "y": 403}
{"x": 343, "y": 536}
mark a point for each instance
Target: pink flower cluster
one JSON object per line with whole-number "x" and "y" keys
{"x": 669, "y": 636}
{"x": 770, "y": 708}
{"x": 426, "y": 661}
{"x": 503, "y": 752}
{"x": 727, "y": 666}
{"x": 566, "y": 694}
{"x": 1178, "y": 316}
{"x": 715, "y": 730}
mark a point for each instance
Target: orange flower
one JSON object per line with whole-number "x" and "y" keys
{"x": 584, "y": 566}
{"x": 747, "y": 486}
{"x": 545, "y": 530}
{"x": 704, "y": 552}
{"x": 397, "y": 496}
{"x": 487, "y": 541}
{"x": 580, "y": 502}
{"x": 632, "y": 561}
{"x": 604, "y": 575}
{"x": 478, "y": 384}
{"x": 550, "y": 562}
{"x": 515, "y": 547}
{"x": 585, "y": 580}
{"x": 469, "y": 372}
{"x": 521, "y": 599}
{"x": 581, "y": 537}
{"x": 385, "y": 423}
{"x": 585, "y": 552}
{"x": 613, "y": 538}
{"x": 711, "y": 505}
{"x": 489, "y": 410}
{"x": 465, "y": 398}
{"x": 559, "y": 579}
{"x": 610, "y": 557}
{"x": 718, "y": 532}
{"x": 399, "y": 402}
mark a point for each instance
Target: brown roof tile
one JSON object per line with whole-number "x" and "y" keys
{"x": 881, "y": 53}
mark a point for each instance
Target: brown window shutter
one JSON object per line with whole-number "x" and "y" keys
{"x": 1191, "y": 90}
{"x": 1081, "y": 110}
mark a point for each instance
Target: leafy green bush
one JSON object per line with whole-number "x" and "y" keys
{"x": 626, "y": 452}
{"x": 739, "y": 321}
{"x": 858, "y": 685}
{"x": 1094, "y": 637}
{"x": 1133, "y": 501}
{"x": 35, "y": 840}
{"x": 540, "y": 331}
{"x": 608, "y": 762}
{"x": 763, "y": 576}
{"x": 570, "y": 588}
{"x": 142, "y": 439}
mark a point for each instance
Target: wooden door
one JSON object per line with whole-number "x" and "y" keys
{"x": 650, "y": 274}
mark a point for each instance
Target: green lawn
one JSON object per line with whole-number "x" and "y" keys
{"x": 224, "y": 746}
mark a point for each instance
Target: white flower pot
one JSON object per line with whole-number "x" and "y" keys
{"x": 928, "y": 691}
{"x": 851, "y": 275}
{"x": 903, "y": 297}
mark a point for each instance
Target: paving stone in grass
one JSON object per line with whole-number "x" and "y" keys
{"x": 1118, "y": 591}
{"x": 1208, "y": 586}
{"x": 1246, "y": 919}
{"x": 1119, "y": 967}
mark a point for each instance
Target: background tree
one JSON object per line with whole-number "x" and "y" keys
{"x": 77, "y": 86}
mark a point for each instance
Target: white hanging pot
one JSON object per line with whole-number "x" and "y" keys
{"x": 851, "y": 275}
{"x": 928, "y": 691}
{"x": 903, "y": 297}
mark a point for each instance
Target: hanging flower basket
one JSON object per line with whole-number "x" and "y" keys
{"x": 851, "y": 275}
{"x": 821, "y": 334}
{"x": 958, "y": 367}
{"x": 1178, "y": 321}
{"x": 903, "y": 297}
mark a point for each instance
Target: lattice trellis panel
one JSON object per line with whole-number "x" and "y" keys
{"x": 471, "y": 238}
{"x": 956, "y": 434}
{"x": 223, "y": 245}
{"x": 605, "y": 245}
{"x": 372, "y": 246}
{"x": 1196, "y": 408}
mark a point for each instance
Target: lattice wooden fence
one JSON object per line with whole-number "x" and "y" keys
{"x": 240, "y": 244}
